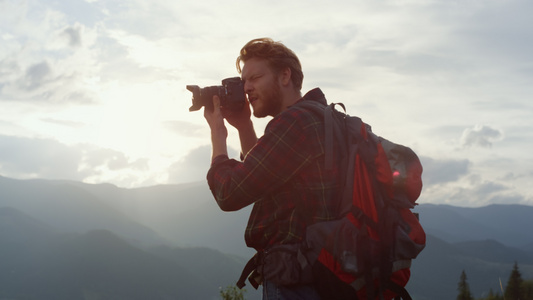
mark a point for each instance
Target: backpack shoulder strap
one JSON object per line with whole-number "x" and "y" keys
{"x": 325, "y": 112}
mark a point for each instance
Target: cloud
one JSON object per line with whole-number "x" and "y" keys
{"x": 8, "y": 67}
{"x": 484, "y": 192}
{"x": 505, "y": 24}
{"x": 28, "y": 158}
{"x": 41, "y": 58}
{"x": 66, "y": 123}
{"x": 464, "y": 183}
{"x": 474, "y": 191}
{"x": 481, "y": 136}
{"x": 185, "y": 128}
{"x": 406, "y": 66}
{"x": 438, "y": 171}
{"x": 44, "y": 82}
{"x": 22, "y": 157}
{"x": 111, "y": 159}
{"x": 36, "y": 76}
{"x": 194, "y": 166}
{"x": 73, "y": 35}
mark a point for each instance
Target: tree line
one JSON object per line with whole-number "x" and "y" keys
{"x": 516, "y": 288}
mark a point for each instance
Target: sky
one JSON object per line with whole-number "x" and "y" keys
{"x": 94, "y": 90}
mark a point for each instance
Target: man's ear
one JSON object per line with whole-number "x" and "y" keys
{"x": 285, "y": 76}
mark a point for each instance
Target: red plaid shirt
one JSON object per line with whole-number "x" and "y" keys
{"x": 283, "y": 175}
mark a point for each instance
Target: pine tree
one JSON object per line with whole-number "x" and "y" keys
{"x": 464, "y": 289}
{"x": 493, "y": 296}
{"x": 527, "y": 287}
{"x": 514, "y": 290}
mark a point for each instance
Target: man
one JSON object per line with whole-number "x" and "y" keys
{"x": 282, "y": 173}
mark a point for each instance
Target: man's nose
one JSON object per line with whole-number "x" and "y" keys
{"x": 247, "y": 87}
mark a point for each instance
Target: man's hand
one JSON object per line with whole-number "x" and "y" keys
{"x": 219, "y": 132}
{"x": 238, "y": 119}
{"x": 242, "y": 121}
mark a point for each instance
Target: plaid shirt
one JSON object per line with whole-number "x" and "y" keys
{"x": 283, "y": 175}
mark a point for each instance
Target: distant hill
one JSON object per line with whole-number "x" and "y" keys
{"x": 61, "y": 239}
{"x": 436, "y": 271}
{"x": 181, "y": 215}
{"x": 508, "y": 224}
{"x": 100, "y": 265}
{"x": 66, "y": 206}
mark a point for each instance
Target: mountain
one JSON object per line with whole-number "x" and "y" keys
{"x": 504, "y": 223}
{"x": 485, "y": 242}
{"x": 186, "y": 215}
{"x": 63, "y": 239}
{"x": 436, "y": 271}
{"x": 37, "y": 262}
{"x": 99, "y": 265}
{"x": 494, "y": 251}
{"x": 65, "y": 206}
{"x": 216, "y": 268}
{"x": 181, "y": 215}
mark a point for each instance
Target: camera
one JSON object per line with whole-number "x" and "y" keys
{"x": 231, "y": 94}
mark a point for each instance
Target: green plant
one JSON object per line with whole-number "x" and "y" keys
{"x": 231, "y": 292}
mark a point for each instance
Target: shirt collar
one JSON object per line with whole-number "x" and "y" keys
{"x": 315, "y": 95}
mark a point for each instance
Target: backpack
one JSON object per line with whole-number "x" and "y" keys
{"x": 366, "y": 253}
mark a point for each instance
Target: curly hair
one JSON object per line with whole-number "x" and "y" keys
{"x": 278, "y": 56}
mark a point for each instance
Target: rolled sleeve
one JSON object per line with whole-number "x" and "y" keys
{"x": 287, "y": 146}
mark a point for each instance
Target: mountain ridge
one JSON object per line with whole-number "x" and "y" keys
{"x": 189, "y": 236}
{"x": 97, "y": 264}
{"x": 501, "y": 222}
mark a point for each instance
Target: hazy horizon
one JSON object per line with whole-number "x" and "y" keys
{"x": 94, "y": 91}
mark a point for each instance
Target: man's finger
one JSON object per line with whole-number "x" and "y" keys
{"x": 216, "y": 103}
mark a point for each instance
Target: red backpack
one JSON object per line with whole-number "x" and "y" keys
{"x": 367, "y": 252}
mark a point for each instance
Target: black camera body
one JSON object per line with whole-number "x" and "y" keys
{"x": 231, "y": 94}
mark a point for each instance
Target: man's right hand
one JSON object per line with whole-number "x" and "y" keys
{"x": 238, "y": 119}
{"x": 219, "y": 132}
{"x": 242, "y": 121}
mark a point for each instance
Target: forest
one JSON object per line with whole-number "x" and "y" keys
{"x": 516, "y": 288}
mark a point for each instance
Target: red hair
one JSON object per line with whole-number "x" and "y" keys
{"x": 278, "y": 56}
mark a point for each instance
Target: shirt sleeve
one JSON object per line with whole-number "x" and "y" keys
{"x": 290, "y": 143}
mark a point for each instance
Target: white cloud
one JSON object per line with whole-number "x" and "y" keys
{"x": 185, "y": 128}
{"x": 73, "y": 35}
{"x": 485, "y": 192}
{"x": 474, "y": 190}
{"x": 22, "y": 157}
{"x": 480, "y": 135}
{"x": 438, "y": 171}
{"x": 112, "y": 74}
{"x": 46, "y": 158}
{"x": 194, "y": 166}
{"x": 42, "y": 59}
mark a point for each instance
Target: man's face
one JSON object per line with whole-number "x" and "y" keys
{"x": 262, "y": 87}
